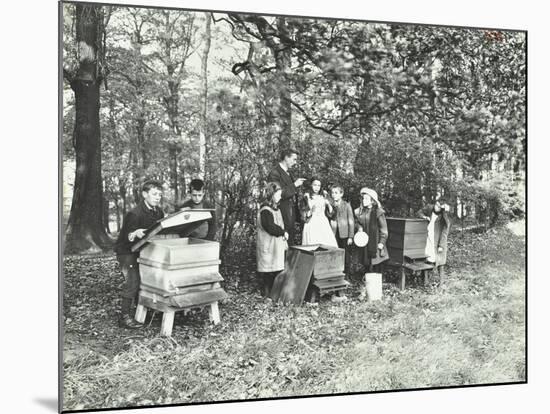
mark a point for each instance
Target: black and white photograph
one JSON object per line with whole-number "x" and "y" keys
{"x": 262, "y": 206}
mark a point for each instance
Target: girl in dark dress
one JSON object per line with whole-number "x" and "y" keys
{"x": 370, "y": 218}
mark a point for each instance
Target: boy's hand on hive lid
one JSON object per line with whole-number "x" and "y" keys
{"x": 350, "y": 241}
{"x": 380, "y": 246}
{"x": 139, "y": 233}
{"x": 285, "y": 236}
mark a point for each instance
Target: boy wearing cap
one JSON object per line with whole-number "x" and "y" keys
{"x": 134, "y": 225}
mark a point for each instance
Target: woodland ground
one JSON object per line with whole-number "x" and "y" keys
{"x": 471, "y": 330}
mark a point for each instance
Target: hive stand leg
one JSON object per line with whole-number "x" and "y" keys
{"x": 167, "y": 323}
{"x": 313, "y": 297}
{"x": 402, "y": 281}
{"x": 214, "y": 313}
{"x": 426, "y": 279}
{"x": 340, "y": 292}
{"x": 141, "y": 313}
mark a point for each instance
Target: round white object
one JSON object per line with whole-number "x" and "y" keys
{"x": 361, "y": 239}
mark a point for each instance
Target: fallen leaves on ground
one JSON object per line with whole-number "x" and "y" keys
{"x": 423, "y": 336}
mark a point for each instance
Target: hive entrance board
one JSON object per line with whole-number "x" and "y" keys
{"x": 181, "y": 222}
{"x": 291, "y": 284}
{"x": 311, "y": 265}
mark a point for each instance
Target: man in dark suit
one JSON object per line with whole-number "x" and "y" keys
{"x": 280, "y": 173}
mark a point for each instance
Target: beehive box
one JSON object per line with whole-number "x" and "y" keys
{"x": 171, "y": 265}
{"x": 328, "y": 261}
{"x": 406, "y": 239}
{"x": 319, "y": 267}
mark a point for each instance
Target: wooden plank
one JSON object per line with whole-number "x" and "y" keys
{"x": 323, "y": 292}
{"x": 180, "y": 222}
{"x": 167, "y": 323}
{"x": 326, "y": 284}
{"x": 157, "y": 305}
{"x": 415, "y": 256}
{"x": 185, "y": 265}
{"x": 199, "y": 284}
{"x": 402, "y": 279}
{"x": 168, "y": 280}
{"x": 328, "y": 275}
{"x": 291, "y": 284}
{"x": 197, "y": 298}
{"x": 214, "y": 313}
{"x": 189, "y": 300}
{"x": 141, "y": 313}
{"x": 417, "y": 266}
{"x": 177, "y": 251}
{"x": 336, "y": 281}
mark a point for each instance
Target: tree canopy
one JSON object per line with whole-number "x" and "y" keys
{"x": 411, "y": 110}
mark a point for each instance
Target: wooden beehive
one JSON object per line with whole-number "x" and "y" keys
{"x": 319, "y": 267}
{"x": 178, "y": 273}
{"x": 172, "y": 264}
{"x": 406, "y": 239}
{"x": 328, "y": 264}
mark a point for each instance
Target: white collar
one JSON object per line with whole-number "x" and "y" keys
{"x": 283, "y": 166}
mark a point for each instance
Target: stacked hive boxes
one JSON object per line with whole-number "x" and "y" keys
{"x": 183, "y": 271}
{"x": 178, "y": 273}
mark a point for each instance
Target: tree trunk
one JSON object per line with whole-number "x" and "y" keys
{"x": 86, "y": 227}
{"x": 174, "y": 171}
{"x": 136, "y": 175}
{"x": 117, "y": 213}
{"x": 106, "y": 215}
{"x": 283, "y": 61}
{"x": 204, "y": 97}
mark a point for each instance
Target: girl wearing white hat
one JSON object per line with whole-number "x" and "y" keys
{"x": 370, "y": 218}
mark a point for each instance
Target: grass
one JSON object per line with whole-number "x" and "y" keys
{"x": 469, "y": 331}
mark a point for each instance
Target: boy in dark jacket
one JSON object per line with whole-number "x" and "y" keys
{"x": 342, "y": 222}
{"x": 207, "y": 230}
{"x": 134, "y": 225}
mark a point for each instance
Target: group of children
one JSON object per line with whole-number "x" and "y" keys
{"x": 328, "y": 221}
{"x": 333, "y": 222}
